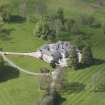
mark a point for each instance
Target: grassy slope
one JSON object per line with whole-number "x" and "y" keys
{"x": 24, "y": 90}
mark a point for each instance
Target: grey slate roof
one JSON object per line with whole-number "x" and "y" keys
{"x": 58, "y": 48}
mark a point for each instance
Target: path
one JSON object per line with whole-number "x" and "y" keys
{"x": 54, "y": 75}
{"x": 17, "y": 67}
{"x": 33, "y": 54}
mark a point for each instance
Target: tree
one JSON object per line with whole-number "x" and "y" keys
{"x": 45, "y": 31}
{"x": 69, "y": 24}
{"x": 5, "y": 11}
{"x": 87, "y": 56}
{"x": 59, "y": 27}
{"x": 75, "y": 29}
{"x": 80, "y": 41}
{"x": 63, "y": 36}
{"x": 44, "y": 79}
{"x": 42, "y": 29}
{"x": 51, "y": 38}
{"x": 53, "y": 64}
{"x": 60, "y": 15}
{"x": 87, "y": 20}
{"x": 52, "y": 96}
{"x": 73, "y": 61}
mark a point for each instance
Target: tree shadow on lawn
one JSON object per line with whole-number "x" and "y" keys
{"x": 7, "y": 73}
{"x": 17, "y": 19}
{"x": 51, "y": 99}
{"x": 74, "y": 87}
{"x": 58, "y": 99}
{"x": 96, "y": 62}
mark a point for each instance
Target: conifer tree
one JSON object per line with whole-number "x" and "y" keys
{"x": 60, "y": 15}
{"x": 87, "y": 56}
{"x": 73, "y": 59}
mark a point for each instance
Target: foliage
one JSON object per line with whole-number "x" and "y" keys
{"x": 53, "y": 64}
{"x": 16, "y": 89}
{"x": 5, "y": 11}
{"x": 73, "y": 59}
{"x": 90, "y": 20}
{"x": 69, "y": 24}
{"x": 63, "y": 36}
{"x": 57, "y": 27}
{"x": 87, "y": 56}
{"x": 60, "y": 15}
{"x": 50, "y": 26}
{"x": 51, "y": 38}
{"x": 80, "y": 41}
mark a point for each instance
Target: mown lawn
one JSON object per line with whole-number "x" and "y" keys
{"x": 24, "y": 89}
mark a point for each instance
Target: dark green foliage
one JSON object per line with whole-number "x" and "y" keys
{"x": 75, "y": 29}
{"x": 51, "y": 26}
{"x": 42, "y": 29}
{"x": 80, "y": 41}
{"x": 60, "y": 15}
{"x": 87, "y": 20}
{"x": 51, "y": 38}
{"x": 63, "y": 36}
{"x": 69, "y": 24}
{"x": 44, "y": 70}
{"x": 59, "y": 27}
{"x": 45, "y": 31}
{"x": 73, "y": 59}
{"x": 87, "y": 56}
{"x": 91, "y": 21}
{"x": 53, "y": 64}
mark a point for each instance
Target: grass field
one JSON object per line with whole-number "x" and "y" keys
{"x": 24, "y": 89}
